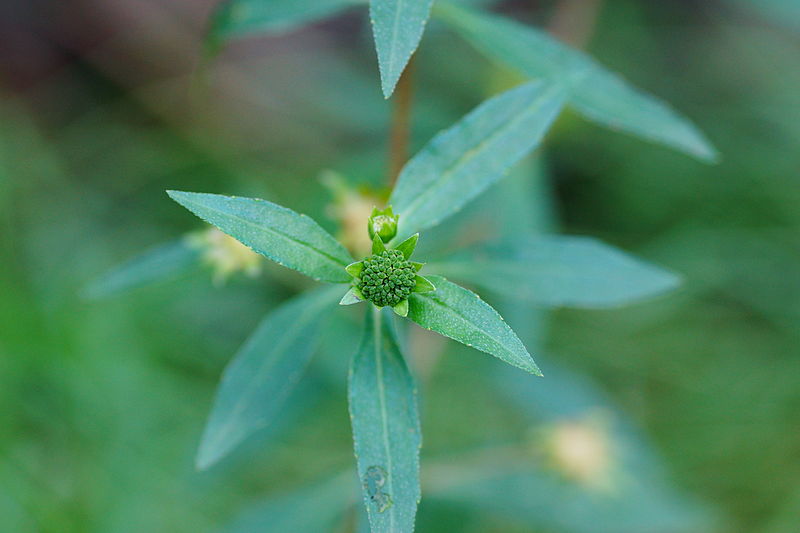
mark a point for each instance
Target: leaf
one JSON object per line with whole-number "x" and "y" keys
{"x": 408, "y": 246}
{"x": 560, "y": 271}
{"x": 422, "y": 284}
{"x": 397, "y": 26}
{"x": 313, "y": 508}
{"x": 263, "y": 372}
{"x": 386, "y": 431}
{"x": 461, "y": 162}
{"x": 352, "y": 296}
{"x": 460, "y": 314}
{"x": 236, "y": 18}
{"x": 402, "y": 308}
{"x": 598, "y": 94}
{"x": 160, "y": 263}
{"x": 288, "y": 238}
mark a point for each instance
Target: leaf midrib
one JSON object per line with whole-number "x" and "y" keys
{"x": 466, "y": 320}
{"x": 377, "y": 331}
{"x": 395, "y": 30}
{"x": 467, "y": 156}
{"x": 286, "y": 236}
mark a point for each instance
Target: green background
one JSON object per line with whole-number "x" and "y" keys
{"x": 102, "y": 403}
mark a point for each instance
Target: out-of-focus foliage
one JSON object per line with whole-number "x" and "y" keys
{"x": 102, "y": 405}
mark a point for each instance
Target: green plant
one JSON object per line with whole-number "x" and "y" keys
{"x": 449, "y": 172}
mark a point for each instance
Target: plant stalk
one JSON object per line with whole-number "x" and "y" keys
{"x": 573, "y": 21}
{"x": 401, "y": 123}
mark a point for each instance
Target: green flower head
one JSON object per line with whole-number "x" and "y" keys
{"x": 387, "y": 277}
{"x": 382, "y": 223}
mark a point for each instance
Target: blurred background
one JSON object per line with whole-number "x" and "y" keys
{"x": 685, "y": 410}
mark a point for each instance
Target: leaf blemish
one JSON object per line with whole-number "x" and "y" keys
{"x": 374, "y": 480}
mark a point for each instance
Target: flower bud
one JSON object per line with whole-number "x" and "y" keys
{"x": 382, "y": 223}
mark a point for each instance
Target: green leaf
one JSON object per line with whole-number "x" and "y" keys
{"x": 313, "y": 508}
{"x": 423, "y": 284}
{"x": 377, "y": 245}
{"x": 397, "y": 26}
{"x": 560, "y": 271}
{"x": 461, "y": 162}
{"x": 354, "y": 269}
{"x": 236, "y": 18}
{"x": 263, "y": 372}
{"x": 408, "y": 246}
{"x": 288, "y": 238}
{"x": 401, "y": 308}
{"x": 352, "y": 296}
{"x": 386, "y": 431}
{"x": 595, "y": 92}
{"x": 160, "y": 263}
{"x": 460, "y": 314}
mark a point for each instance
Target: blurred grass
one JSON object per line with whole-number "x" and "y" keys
{"x": 102, "y": 404}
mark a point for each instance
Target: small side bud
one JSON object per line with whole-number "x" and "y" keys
{"x": 382, "y": 223}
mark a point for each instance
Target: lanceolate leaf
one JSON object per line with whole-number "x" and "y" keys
{"x": 386, "y": 432}
{"x": 160, "y": 263}
{"x": 560, "y": 271}
{"x": 291, "y": 239}
{"x": 397, "y": 26}
{"x": 261, "y": 375}
{"x": 461, "y": 162}
{"x": 235, "y": 18}
{"x": 460, "y": 314}
{"x": 594, "y": 91}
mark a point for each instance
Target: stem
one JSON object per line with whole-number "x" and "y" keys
{"x": 573, "y": 21}
{"x": 401, "y": 123}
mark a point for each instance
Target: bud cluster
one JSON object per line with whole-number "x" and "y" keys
{"x": 387, "y": 278}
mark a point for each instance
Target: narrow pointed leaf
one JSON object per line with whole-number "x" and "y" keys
{"x": 461, "y": 162}
{"x": 236, "y": 18}
{"x": 560, "y": 271}
{"x": 460, "y": 314}
{"x": 377, "y": 245}
{"x": 417, "y": 266}
{"x": 160, "y": 263}
{"x": 351, "y": 297}
{"x": 397, "y": 26}
{"x": 288, "y": 238}
{"x": 354, "y": 269}
{"x": 263, "y": 372}
{"x": 401, "y": 308}
{"x": 423, "y": 284}
{"x": 408, "y": 246}
{"x": 386, "y": 431}
{"x": 597, "y": 93}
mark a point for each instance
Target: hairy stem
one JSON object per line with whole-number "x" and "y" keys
{"x": 401, "y": 123}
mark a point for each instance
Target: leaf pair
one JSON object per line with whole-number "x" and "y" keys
{"x": 595, "y": 92}
{"x": 397, "y": 25}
